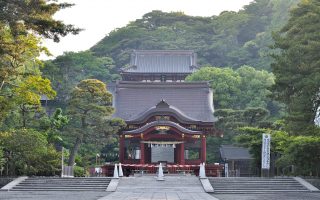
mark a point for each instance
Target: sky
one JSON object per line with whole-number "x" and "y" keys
{"x": 99, "y": 17}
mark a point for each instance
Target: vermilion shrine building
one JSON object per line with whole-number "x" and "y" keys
{"x": 167, "y": 118}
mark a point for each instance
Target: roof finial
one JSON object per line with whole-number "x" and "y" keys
{"x": 162, "y": 104}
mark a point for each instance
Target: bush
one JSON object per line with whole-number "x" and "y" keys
{"x": 29, "y": 153}
{"x": 304, "y": 153}
{"x": 79, "y": 171}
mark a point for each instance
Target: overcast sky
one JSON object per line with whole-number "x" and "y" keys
{"x": 99, "y": 17}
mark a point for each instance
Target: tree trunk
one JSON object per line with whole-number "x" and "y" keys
{"x": 74, "y": 151}
{"x": 23, "y": 112}
{"x": 2, "y": 83}
{"x": 78, "y": 141}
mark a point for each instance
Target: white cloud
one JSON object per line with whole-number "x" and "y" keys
{"x": 99, "y": 17}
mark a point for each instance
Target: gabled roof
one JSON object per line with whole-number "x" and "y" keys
{"x": 163, "y": 108}
{"x": 230, "y": 152}
{"x": 162, "y": 123}
{"x": 162, "y": 61}
{"x": 192, "y": 99}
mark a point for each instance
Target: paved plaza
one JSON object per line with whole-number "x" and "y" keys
{"x": 275, "y": 196}
{"x": 51, "y": 195}
{"x": 148, "y": 188}
{"x": 136, "y": 196}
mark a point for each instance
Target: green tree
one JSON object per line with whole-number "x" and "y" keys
{"x": 237, "y": 89}
{"x": 25, "y": 105}
{"x": 229, "y": 39}
{"x": 254, "y": 87}
{"x": 307, "y": 164}
{"x": 17, "y": 62}
{"x": 296, "y": 67}
{"x": 70, "y": 68}
{"x": 28, "y": 95}
{"x": 224, "y": 82}
{"x": 229, "y": 122}
{"x": 35, "y": 15}
{"x": 28, "y": 153}
{"x": 53, "y": 126}
{"x": 2, "y": 159}
{"x": 251, "y": 137}
{"x": 22, "y": 23}
{"x": 90, "y": 108}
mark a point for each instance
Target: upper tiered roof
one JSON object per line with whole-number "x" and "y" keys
{"x": 162, "y": 62}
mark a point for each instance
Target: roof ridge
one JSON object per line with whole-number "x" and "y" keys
{"x": 163, "y": 83}
{"x": 163, "y": 51}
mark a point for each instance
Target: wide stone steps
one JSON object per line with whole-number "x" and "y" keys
{"x": 256, "y": 185}
{"x": 62, "y": 184}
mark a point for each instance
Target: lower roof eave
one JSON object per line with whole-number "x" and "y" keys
{"x": 162, "y": 123}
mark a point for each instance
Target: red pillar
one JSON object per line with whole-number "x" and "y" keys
{"x": 177, "y": 150}
{"x": 121, "y": 149}
{"x": 203, "y": 149}
{"x": 182, "y": 161}
{"x": 142, "y": 160}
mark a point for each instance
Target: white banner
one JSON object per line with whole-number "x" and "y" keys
{"x": 226, "y": 169}
{"x": 265, "y": 151}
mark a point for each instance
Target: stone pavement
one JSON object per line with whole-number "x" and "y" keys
{"x": 275, "y": 196}
{"x": 51, "y": 195}
{"x": 148, "y": 188}
{"x": 158, "y": 196}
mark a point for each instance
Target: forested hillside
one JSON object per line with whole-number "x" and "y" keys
{"x": 261, "y": 62}
{"x": 236, "y": 42}
{"x": 231, "y": 39}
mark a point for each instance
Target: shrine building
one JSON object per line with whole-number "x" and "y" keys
{"x": 167, "y": 118}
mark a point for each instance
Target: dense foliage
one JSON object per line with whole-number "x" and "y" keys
{"x": 28, "y": 152}
{"x": 286, "y": 151}
{"x": 230, "y": 39}
{"x": 21, "y": 24}
{"x": 237, "y": 89}
{"x": 307, "y": 164}
{"x": 36, "y": 15}
{"x": 90, "y": 108}
{"x": 68, "y": 70}
{"x": 238, "y": 42}
{"x": 297, "y": 69}
{"x": 24, "y": 131}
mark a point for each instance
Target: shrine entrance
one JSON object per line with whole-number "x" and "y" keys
{"x": 162, "y": 154}
{"x": 162, "y": 141}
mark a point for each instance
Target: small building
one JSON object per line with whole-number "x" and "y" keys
{"x": 238, "y": 159}
{"x": 167, "y": 118}
{"x": 49, "y": 105}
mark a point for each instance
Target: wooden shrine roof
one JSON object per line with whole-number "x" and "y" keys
{"x": 193, "y": 100}
{"x": 162, "y": 61}
{"x": 162, "y": 123}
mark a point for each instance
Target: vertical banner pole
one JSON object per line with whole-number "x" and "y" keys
{"x": 265, "y": 155}
{"x": 62, "y": 160}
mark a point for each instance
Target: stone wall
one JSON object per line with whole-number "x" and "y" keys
{"x": 314, "y": 181}
{"x": 5, "y": 180}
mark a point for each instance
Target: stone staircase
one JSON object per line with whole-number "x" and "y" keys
{"x": 63, "y": 184}
{"x": 255, "y": 185}
{"x": 150, "y": 184}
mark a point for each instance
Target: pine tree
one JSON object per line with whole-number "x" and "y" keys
{"x": 297, "y": 67}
